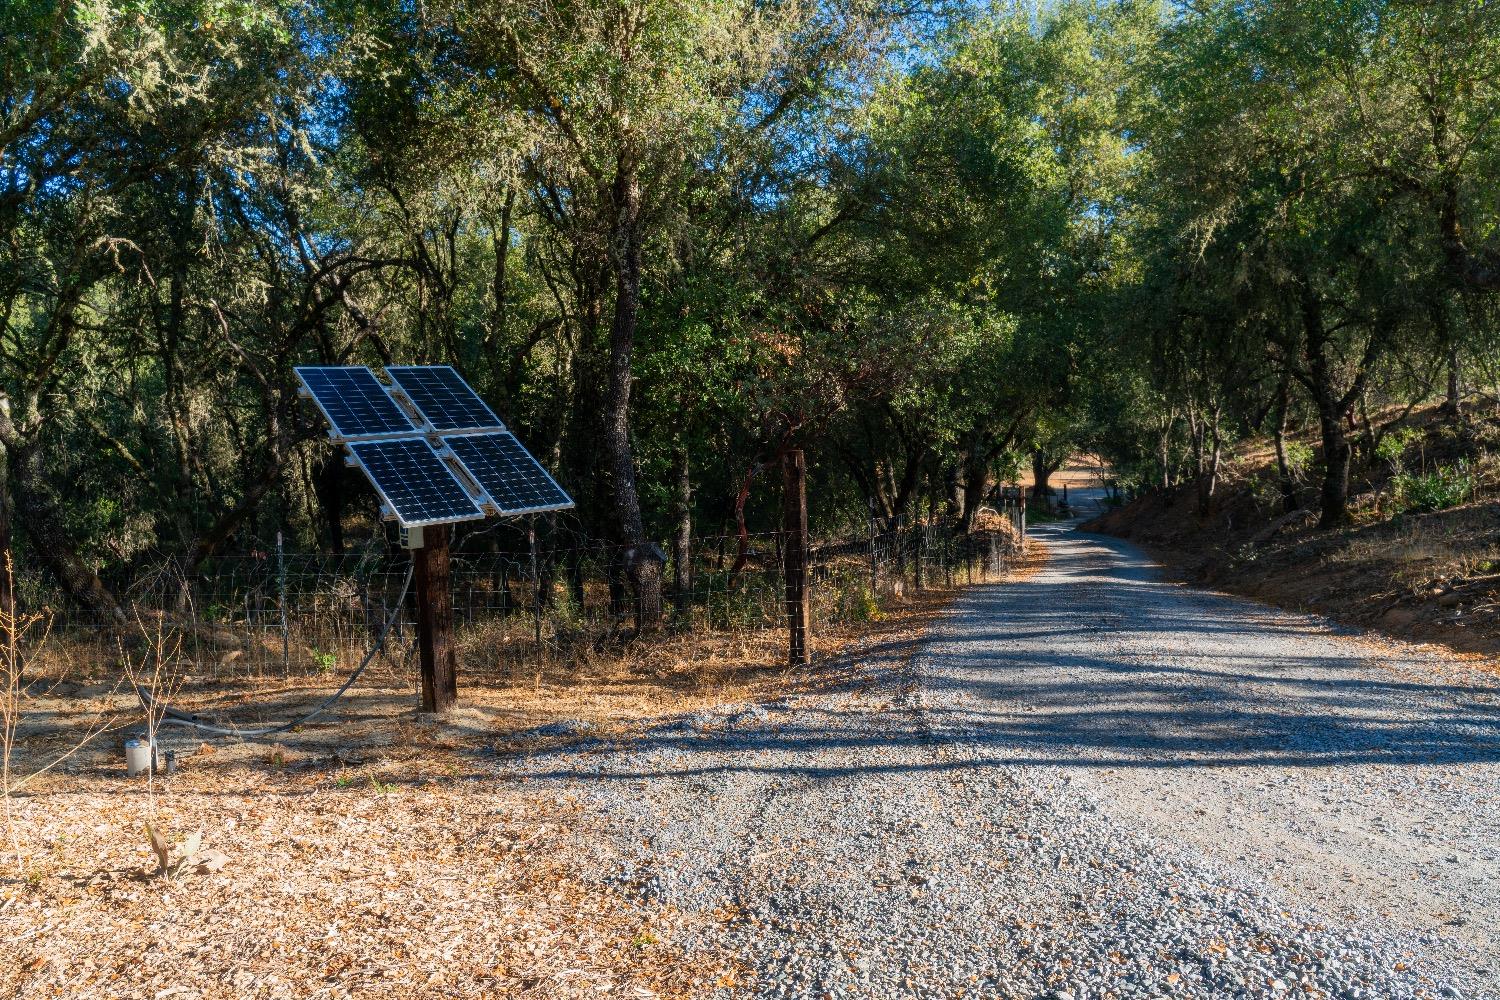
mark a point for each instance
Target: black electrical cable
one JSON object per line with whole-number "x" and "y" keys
{"x": 171, "y": 716}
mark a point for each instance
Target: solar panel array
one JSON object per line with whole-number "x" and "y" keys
{"x": 442, "y": 396}
{"x": 419, "y": 475}
{"x": 504, "y": 469}
{"x": 354, "y": 402}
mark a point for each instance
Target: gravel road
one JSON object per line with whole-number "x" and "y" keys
{"x": 1091, "y": 783}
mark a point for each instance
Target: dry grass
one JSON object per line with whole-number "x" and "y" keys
{"x": 374, "y": 853}
{"x": 1423, "y": 552}
{"x": 415, "y": 871}
{"x": 1082, "y": 470}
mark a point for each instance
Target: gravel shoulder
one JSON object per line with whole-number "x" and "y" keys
{"x": 1089, "y": 783}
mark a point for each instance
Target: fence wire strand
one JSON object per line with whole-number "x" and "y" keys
{"x": 306, "y": 615}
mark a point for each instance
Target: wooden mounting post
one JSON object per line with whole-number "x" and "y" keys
{"x": 537, "y": 597}
{"x": 794, "y": 527}
{"x": 435, "y": 620}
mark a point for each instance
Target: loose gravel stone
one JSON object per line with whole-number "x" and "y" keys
{"x": 1092, "y": 784}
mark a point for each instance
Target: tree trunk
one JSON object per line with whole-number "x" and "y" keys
{"x": 643, "y": 569}
{"x": 742, "y": 533}
{"x": 1289, "y": 500}
{"x": 794, "y": 532}
{"x": 44, "y": 532}
{"x": 1042, "y": 468}
{"x": 1164, "y": 455}
{"x": 502, "y": 362}
{"x": 975, "y": 479}
{"x": 1208, "y": 480}
{"x": 682, "y": 553}
{"x": 950, "y": 491}
{"x": 7, "y": 561}
{"x": 1195, "y": 435}
{"x": 1335, "y": 494}
{"x": 498, "y": 282}
{"x": 906, "y": 489}
{"x": 1332, "y": 413}
{"x": 1454, "y": 402}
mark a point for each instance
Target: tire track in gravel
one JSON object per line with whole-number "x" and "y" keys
{"x": 1360, "y": 779}
{"x": 1090, "y": 784}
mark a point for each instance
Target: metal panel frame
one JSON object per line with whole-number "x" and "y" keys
{"x": 385, "y": 500}
{"x": 334, "y": 431}
{"x": 432, "y": 428}
{"x": 488, "y": 499}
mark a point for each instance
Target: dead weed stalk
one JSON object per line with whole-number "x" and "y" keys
{"x": 156, "y": 675}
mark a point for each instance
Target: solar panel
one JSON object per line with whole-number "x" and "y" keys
{"x": 414, "y": 482}
{"x": 516, "y": 482}
{"x": 354, "y": 402}
{"x": 442, "y": 396}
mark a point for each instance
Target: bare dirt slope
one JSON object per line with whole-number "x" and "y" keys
{"x": 1423, "y": 575}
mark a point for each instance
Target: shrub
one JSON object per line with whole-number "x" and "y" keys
{"x": 1392, "y": 448}
{"x": 863, "y": 605}
{"x": 1299, "y": 457}
{"x": 1446, "y": 487}
{"x": 752, "y": 601}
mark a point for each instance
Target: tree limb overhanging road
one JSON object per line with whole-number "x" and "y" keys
{"x": 1089, "y": 783}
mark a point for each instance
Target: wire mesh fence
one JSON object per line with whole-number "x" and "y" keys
{"x": 277, "y": 613}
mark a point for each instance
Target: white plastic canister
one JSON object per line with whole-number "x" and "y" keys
{"x": 137, "y": 758}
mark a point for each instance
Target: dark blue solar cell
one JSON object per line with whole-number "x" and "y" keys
{"x": 442, "y": 396}
{"x": 414, "y": 482}
{"x": 354, "y": 401}
{"x": 515, "y": 481}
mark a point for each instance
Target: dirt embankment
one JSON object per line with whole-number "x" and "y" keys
{"x": 1427, "y": 576}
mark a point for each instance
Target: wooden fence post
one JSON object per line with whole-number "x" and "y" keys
{"x": 899, "y": 538}
{"x": 948, "y": 557}
{"x": 538, "y": 599}
{"x": 921, "y": 553}
{"x": 794, "y": 555}
{"x": 286, "y": 632}
{"x": 435, "y": 620}
{"x": 7, "y": 565}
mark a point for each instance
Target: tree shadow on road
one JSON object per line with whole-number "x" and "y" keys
{"x": 1099, "y": 662}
